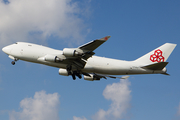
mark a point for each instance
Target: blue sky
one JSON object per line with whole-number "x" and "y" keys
{"x": 135, "y": 27}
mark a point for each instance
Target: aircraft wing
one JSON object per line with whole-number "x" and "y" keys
{"x": 88, "y": 48}
{"x": 76, "y": 57}
{"x": 91, "y": 46}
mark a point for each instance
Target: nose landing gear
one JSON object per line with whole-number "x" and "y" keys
{"x": 13, "y": 62}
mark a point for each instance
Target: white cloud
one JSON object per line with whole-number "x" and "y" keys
{"x": 24, "y": 20}
{"x": 119, "y": 94}
{"x": 45, "y": 106}
{"x": 178, "y": 112}
{"x": 79, "y": 118}
{"x": 42, "y": 107}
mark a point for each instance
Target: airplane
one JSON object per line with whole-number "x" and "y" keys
{"x": 80, "y": 61}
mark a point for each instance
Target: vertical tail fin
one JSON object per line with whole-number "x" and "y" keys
{"x": 159, "y": 54}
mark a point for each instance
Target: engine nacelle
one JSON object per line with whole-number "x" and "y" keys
{"x": 71, "y": 52}
{"x": 91, "y": 77}
{"x": 63, "y": 72}
{"x": 52, "y": 58}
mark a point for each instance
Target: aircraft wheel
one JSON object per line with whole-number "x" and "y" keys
{"x": 73, "y": 76}
{"x": 79, "y": 76}
{"x": 13, "y": 62}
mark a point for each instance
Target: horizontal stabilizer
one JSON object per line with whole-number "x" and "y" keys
{"x": 165, "y": 73}
{"x": 156, "y": 66}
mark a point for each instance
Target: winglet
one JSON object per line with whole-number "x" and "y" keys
{"x": 105, "y": 38}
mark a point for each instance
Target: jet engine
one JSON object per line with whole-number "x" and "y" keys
{"x": 63, "y": 72}
{"x": 91, "y": 77}
{"x": 71, "y": 52}
{"x": 52, "y": 58}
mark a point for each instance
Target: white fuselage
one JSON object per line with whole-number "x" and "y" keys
{"x": 35, "y": 53}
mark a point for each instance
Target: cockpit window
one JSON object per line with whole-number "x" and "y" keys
{"x": 16, "y": 43}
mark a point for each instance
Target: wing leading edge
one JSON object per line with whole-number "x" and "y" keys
{"x": 91, "y": 46}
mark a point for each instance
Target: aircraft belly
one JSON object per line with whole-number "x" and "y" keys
{"x": 108, "y": 66}
{"x": 53, "y": 64}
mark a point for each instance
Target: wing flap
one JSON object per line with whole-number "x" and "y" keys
{"x": 99, "y": 76}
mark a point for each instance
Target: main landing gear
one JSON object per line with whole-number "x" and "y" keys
{"x": 73, "y": 73}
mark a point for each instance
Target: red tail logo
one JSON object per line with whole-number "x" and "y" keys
{"x": 157, "y": 56}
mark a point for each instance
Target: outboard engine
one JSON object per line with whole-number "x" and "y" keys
{"x": 71, "y": 52}
{"x": 63, "y": 72}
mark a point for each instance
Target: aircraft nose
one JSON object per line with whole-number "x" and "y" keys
{"x": 6, "y": 49}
